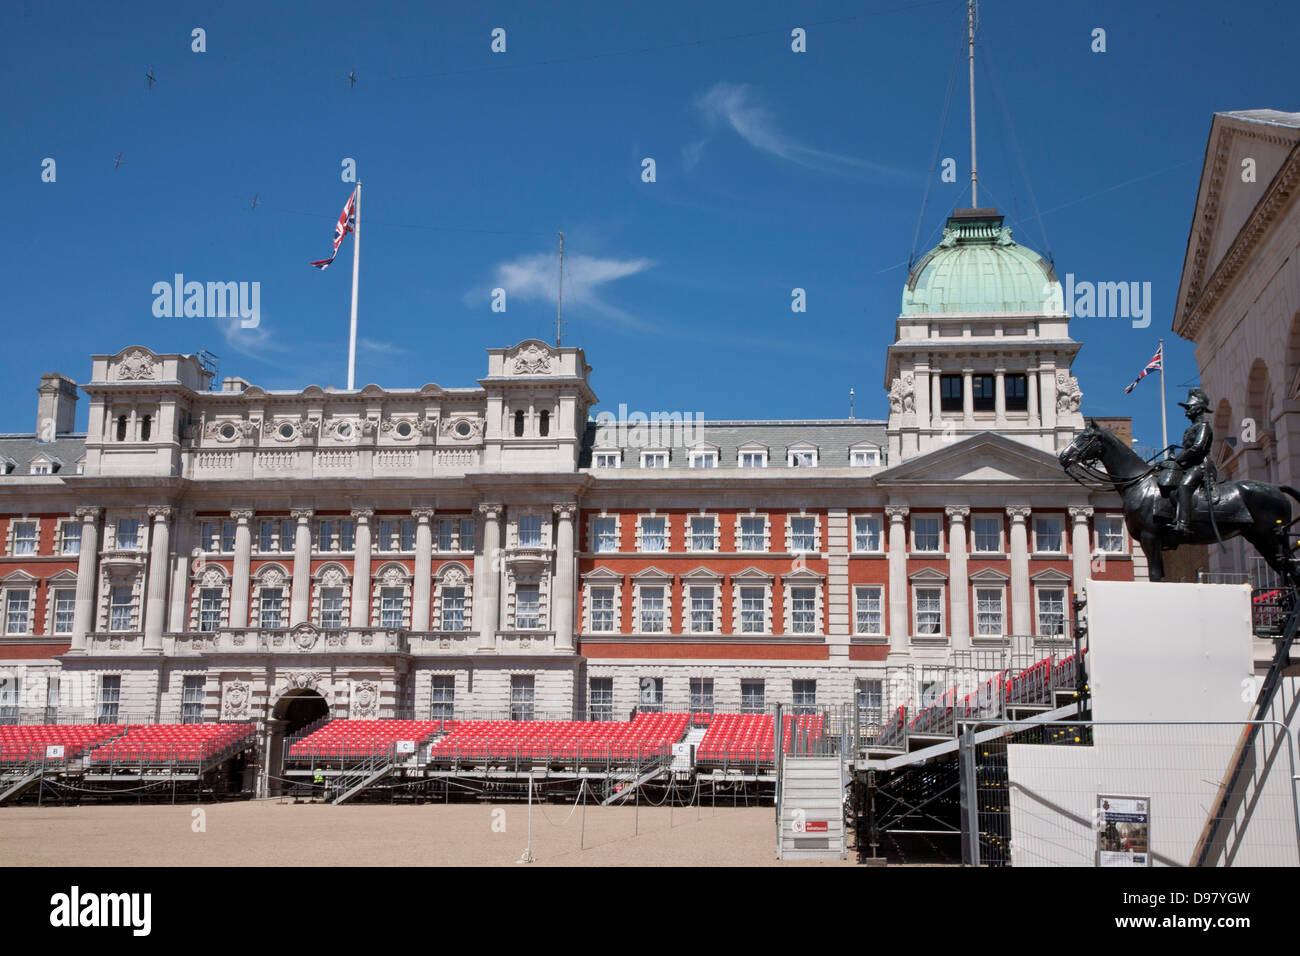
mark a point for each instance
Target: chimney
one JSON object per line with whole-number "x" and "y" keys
{"x": 233, "y": 383}
{"x": 56, "y": 409}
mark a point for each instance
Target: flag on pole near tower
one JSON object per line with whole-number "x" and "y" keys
{"x": 1157, "y": 364}
{"x": 346, "y": 224}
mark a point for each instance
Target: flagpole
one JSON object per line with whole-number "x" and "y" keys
{"x": 1164, "y": 425}
{"x": 356, "y": 271}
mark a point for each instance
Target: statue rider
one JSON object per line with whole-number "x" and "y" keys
{"x": 1191, "y": 462}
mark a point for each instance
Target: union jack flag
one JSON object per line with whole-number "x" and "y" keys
{"x": 347, "y": 223}
{"x": 1155, "y": 365}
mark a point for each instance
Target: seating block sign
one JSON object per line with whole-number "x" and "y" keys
{"x": 405, "y": 746}
{"x": 54, "y": 752}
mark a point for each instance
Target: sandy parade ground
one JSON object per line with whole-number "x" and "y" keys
{"x": 272, "y": 833}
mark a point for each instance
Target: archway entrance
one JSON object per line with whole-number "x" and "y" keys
{"x": 294, "y": 712}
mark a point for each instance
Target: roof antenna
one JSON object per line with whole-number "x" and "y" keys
{"x": 559, "y": 299}
{"x": 970, "y": 27}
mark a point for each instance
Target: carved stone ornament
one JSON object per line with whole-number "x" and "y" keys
{"x": 137, "y": 366}
{"x": 1068, "y": 395}
{"x": 464, "y": 429}
{"x": 272, "y": 577}
{"x": 365, "y": 699}
{"x": 532, "y": 360}
{"x": 303, "y": 680}
{"x": 309, "y": 427}
{"x": 369, "y": 426}
{"x": 429, "y": 425}
{"x": 305, "y": 637}
{"x": 902, "y": 395}
{"x": 236, "y": 702}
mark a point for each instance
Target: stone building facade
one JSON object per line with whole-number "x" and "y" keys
{"x": 219, "y": 552}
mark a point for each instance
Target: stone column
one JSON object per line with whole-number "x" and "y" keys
{"x": 420, "y": 596}
{"x": 1047, "y": 380}
{"x": 360, "y": 613}
{"x": 959, "y": 581}
{"x": 1021, "y": 619}
{"x": 1031, "y": 395}
{"x": 968, "y": 397}
{"x": 487, "y": 579}
{"x": 178, "y": 603}
{"x": 1080, "y": 546}
{"x": 936, "y": 400}
{"x": 83, "y": 619}
{"x": 239, "y": 576}
{"x": 1000, "y": 397}
{"x": 155, "y": 608}
{"x": 300, "y": 599}
{"x": 899, "y": 630}
{"x": 562, "y": 593}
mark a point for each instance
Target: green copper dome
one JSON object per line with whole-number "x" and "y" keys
{"x": 977, "y": 267}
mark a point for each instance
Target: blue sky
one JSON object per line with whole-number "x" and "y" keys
{"x": 774, "y": 170}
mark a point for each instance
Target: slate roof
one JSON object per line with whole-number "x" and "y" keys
{"x": 832, "y": 439}
{"x": 21, "y": 449}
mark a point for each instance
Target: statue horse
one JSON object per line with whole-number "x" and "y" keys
{"x": 1255, "y": 510}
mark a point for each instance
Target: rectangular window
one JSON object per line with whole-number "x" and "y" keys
{"x": 407, "y": 528}
{"x": 988, "y": 612}
{"x": 208, "y": 536}
{"x": 982, "y": 396}
{"x": 530, "y": 531}
{"x": 753, "y": 530}
{"x": 466, "y": 539}
{"x": 701, "y": 610}
{"x": 325, "y": 537}
{"x": 71, "y": 537}
{"x": 1051, "y": 612}
{"x": 601, "y": 698}
{"x": 266, "y": 536}
{"x": 803, "y": 533}
{"x": 654, "y": 459}
{"x": 802, "y": 459}
{"x": 753, "y": 610}
{"x": 387, "y": 531}
{"x": 192, "y": 699}
{"x": 866, "y": 533}
{"x": 871, "y": 697}
{"x": 805, "y": 696}
{"x": 988, "y": 533}
{"x": 347, "y": 535}
{"x": 704, "y": 459}
{"x": 1110, "y": 534}
{"x": 210, "y": 600}
{"x": 870, "y": 616}
{"x": 653, "y": 536}
{"x": 1047, "y": 535}
{"x": 1017, "y": 392}
{"x": 227, "y": 537}
{"x": 864, "y": 458}
{"x": 604, "y": 534}
{"x": 119, "y": 609}
{"x": 925, "y": 533}
{"x": 703, "y": 533}
{"x": 607, "y": 459}
{"x": 753, "y": 459}
{"x": 527, "y": 606}
{"x": 950, "y": 393}
{"x": 652, "y": 610}
{"x": 128, "y": 534}
{"x": 652, "y": 695}
{"x": 442, "y": 697}
{"x": 803, "y": 610}
{"x": 602, "y": 609}
{"x": 271, "y": 607}
{"x": 288, "y": 531}
{"x": 18, "y": 605}
{"x": 453, "y": 609}
{"x": 65, "y": 606}
{"x": 701, "y": 694}
{"x": 392, "y": 603}
{"x": 929, "y": 611}
{"x": 751, "y": 697}
{"x": 25, "y": 537}
{"x": 110, "y": 692}
{"x": 447, "y": 534}
{"x": 331, "y": 608}
{"x": 521, "y": 696}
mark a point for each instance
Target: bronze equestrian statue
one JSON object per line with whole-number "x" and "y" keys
{"x": 1203, "y": 509}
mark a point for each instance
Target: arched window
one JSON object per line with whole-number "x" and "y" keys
{"x": 146, "y": 427}
{"x": 544, "y": 424}
{"x": 121, "y": 428}
{"x": 519, "y": 424}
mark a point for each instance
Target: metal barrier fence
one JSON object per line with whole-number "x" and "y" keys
{"x": 1128, "y": 793}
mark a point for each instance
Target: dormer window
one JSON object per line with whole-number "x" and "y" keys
{"x": 606, "y": 459}
{"x": 704, "y": 459}
{"x": 752, "y": 457}
{"x": 654, "y": 459}
{"x": 864, "y": 457}
{"x": 802, "y": 458}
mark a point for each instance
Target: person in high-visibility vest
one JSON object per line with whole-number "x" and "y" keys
{"x": 319, "y": 779}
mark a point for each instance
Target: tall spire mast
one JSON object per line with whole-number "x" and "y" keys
{"x": 559, "y": 299}
{"x": 970, "y": 32}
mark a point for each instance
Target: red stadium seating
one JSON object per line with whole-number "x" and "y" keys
{"x": 645, "y": 735}
{"x": 23, "y": 742}
{"x": 162, "y": 744}
{"x": 749, "y": 738}
{"x": 355, "y": 739}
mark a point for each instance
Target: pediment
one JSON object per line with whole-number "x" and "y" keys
{"x": 928, "y": 574}
{"x": 701, "y": 574}
{"x": 602, "y": 574}
{"x": 989, "y": 576}
{"x": 752, "y": 573}
{"x": 652, "y": 573}
{"x": 1050, "y": 576}
{"x": 983, "y": 458}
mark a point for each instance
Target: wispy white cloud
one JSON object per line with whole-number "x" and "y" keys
{"x": 255, "y": 343}
{"x": 734, "y": 105}
{"x": 533, "y": 278}
{"x": 380, "y": 348}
